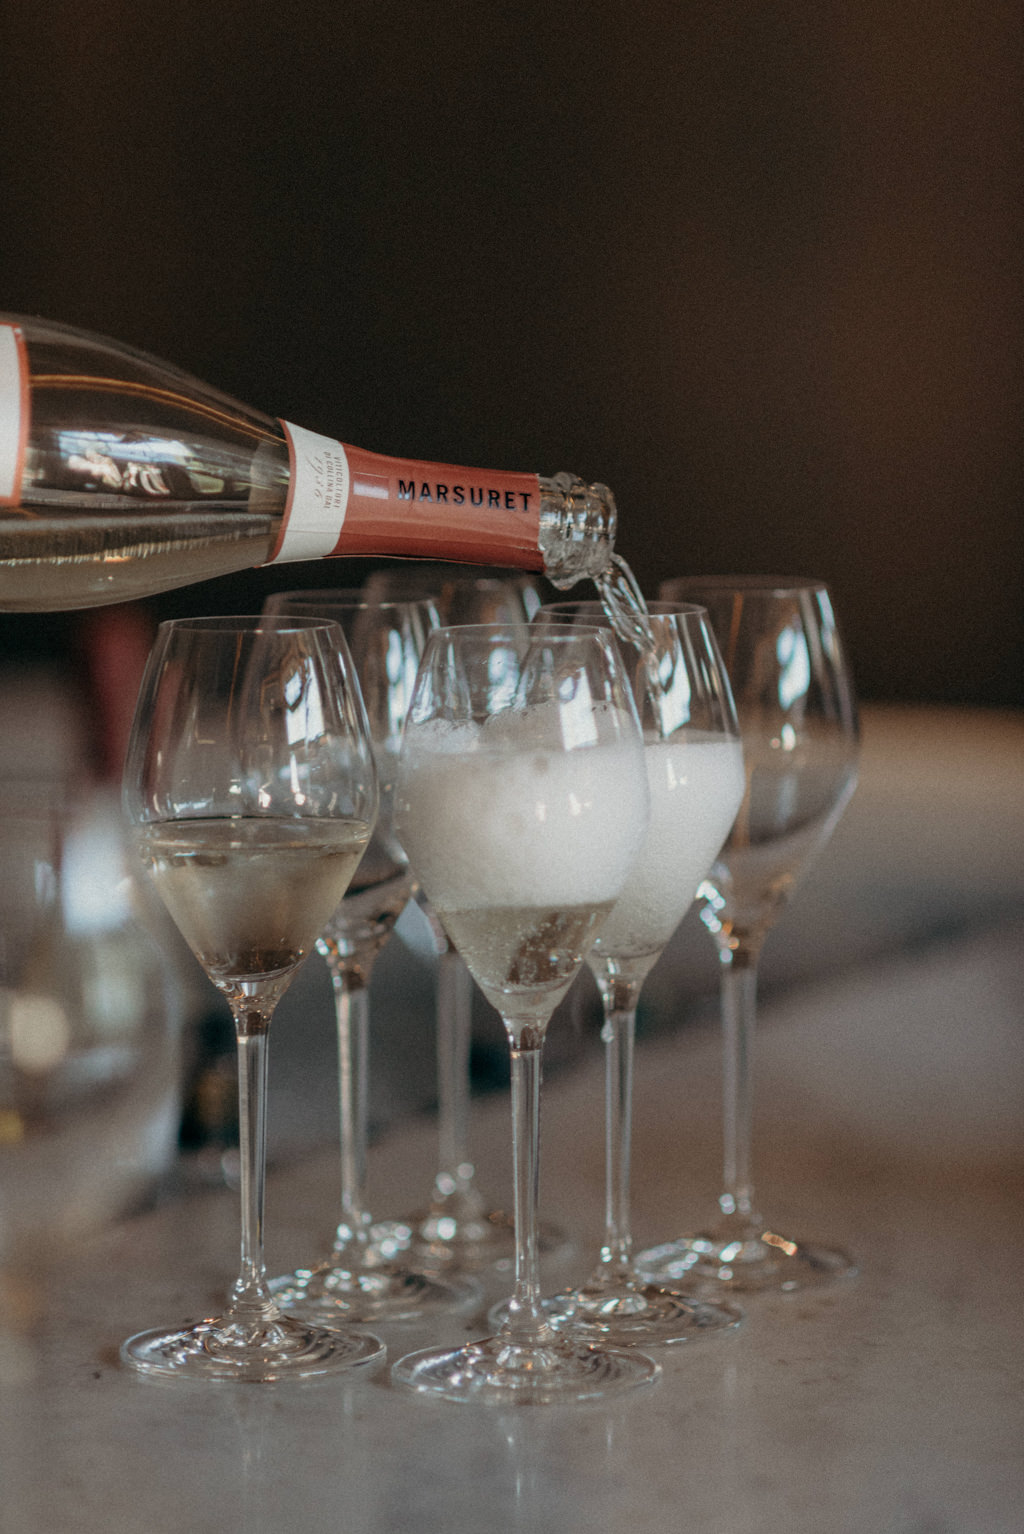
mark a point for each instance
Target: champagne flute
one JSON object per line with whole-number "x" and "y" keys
{"x": 694, "y": 765}
{"x": 361, "y": 1278}
{"x": 798, "y": 722}
{"x": 460, "y": 1230}
{"x": 522, "y": 801}
{"x": 251, "y": 792}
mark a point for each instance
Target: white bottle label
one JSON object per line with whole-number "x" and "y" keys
{"x": 13, "y": 413}
{"x": 318, "y": 492}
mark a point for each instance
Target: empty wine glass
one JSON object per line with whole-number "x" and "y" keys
{"x": 251, "y": 792}
{"x": 522, "y": 802}
{"x": 798, "y": 723}
{"x": 694, "y": 767}
{"x": 462, "y": 593}
{"x": 362, "y": 1278}
{"x": 460, "y": 1230}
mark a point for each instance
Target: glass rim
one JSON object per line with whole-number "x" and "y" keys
{"x": 351, "y": 598}
{"x": 661, "y": 608}
{"x": 455, "y": 570}
{"x": 765, "y": 585}
{"x": 247, "y": 623}
{"x": 517, "y": 631}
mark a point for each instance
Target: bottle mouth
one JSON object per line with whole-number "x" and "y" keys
{"x": 577, "y": 528}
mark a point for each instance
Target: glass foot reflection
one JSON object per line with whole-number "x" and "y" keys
{"x": 466, "y": 1237}
{"x": 632, "y": 1315}
{"x": 328, "y": 1294}
{"x": 745, "y": 1266}
{"x": 496, "y": 1371}
{"x": 274, "y": 1349}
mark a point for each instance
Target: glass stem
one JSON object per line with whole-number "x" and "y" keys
{"x": 250, "y": 1296}
{"x": 454, "y": 1028}
{"x": 619, "y": 999}
{"x": 525, "y": 1324}
{"x": 352, "y": 1015}
{"x": 739, "y": 1012}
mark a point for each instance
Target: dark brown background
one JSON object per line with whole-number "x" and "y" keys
{"x": 755, "y": 264}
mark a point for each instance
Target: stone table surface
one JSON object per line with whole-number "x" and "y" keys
{"x": 888, "y": 1122}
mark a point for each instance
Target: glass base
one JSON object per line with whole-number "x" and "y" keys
{"x": 632, "y": 1315}
{"x": 750, "y": 1266}
{"x": 445, "y": 1239}
{"x": 496, "y": 1372}
{"x": 329, "y": 1294}
{"x": 225, "y": 1351}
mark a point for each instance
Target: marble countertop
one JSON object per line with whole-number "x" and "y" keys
{"x": 890, "y": 1403}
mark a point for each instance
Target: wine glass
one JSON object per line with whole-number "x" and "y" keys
{"x": 460, "y": 1230}
{"x": 694, "y": 765}
{"x": 361, "y": 1278}
{"x": 522, "y": 802}
{"x": 798, "y": 722}
{"x": 251, "y": 793}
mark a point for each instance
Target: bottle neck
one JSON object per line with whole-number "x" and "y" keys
{"x": 347, "y": 501}
{"x": 577, "y": 529}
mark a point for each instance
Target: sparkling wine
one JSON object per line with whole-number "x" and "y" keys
{"x": 251, "y": 894}
{"x": 529, "y": 827}
{"x": 122, "y": 476}
{"x": 696, "y": 785}
{"x": 522, "y": 852}
{"x": 620, "y": 596}
{"x": 524, "y": 960}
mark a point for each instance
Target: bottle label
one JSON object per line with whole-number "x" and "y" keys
{"x": 13, "y": 413}
{"x": 318, "y": 490}
{"x": 343, "y": 500}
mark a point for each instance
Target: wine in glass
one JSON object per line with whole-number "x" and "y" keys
{"x": 694, "y": 765}
{"x": 798, "y": 723}
{"x": 460, "y": 1230}
{"x": 251, "y": 792}
{"x": 362, "y": 1277}
{"x": 522, "y": 802}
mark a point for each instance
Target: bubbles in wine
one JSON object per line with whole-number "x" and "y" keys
{"x": 487, "y": 825}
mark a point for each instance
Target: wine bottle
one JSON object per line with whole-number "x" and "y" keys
{"x": 121, "y": 476}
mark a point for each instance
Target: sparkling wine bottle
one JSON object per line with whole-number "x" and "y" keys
{"x": 121, "y": 476}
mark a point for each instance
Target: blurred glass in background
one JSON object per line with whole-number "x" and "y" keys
{"x": 90, "y": 1024}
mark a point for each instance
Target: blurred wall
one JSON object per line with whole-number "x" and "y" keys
{"x": 755, "y": 264}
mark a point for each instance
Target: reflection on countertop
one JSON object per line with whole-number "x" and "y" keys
{"x": 891, "y": 1401}
{"x": 890, "y": 1076}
